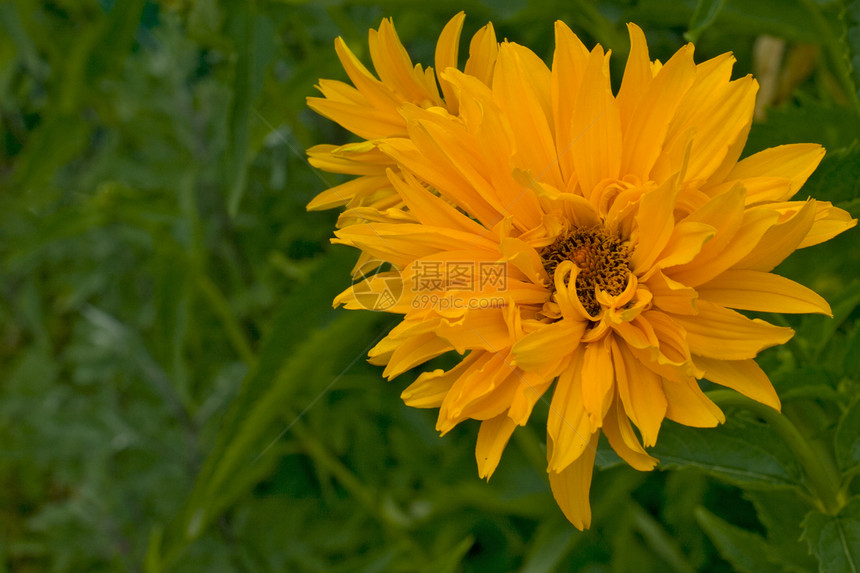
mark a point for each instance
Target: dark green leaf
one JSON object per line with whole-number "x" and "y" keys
{"x": 837, "y": 178}
{"x": 659, "y": 541}
{"x": 745, "y": 550}
{"x": 835, "y": 540}
{"x": 549, "y": 545}
{"x": 818, "y": 333}
{"x": 449, "y": 562}
{"x": 788, "y": 19}
{"x": 705, "y": 14}
{"x": 316, "y": 364}
{"x": 781, "y": 514}
{"x": 848, "y": 437}
{"x": 851, "y": 20}
{"x": 742, "y": 451}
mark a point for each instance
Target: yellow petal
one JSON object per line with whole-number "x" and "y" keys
{"x": 378, "y": 95}
{"x": 335, "y": 90}
{"x": 641, "y": 392}
{"x": 733, "y": 153}
{"x": 795, "y": 162}
{"x": 829, "y": 222}
{"x": 530, "y": 387}
{"x": 598, "y": 380}
{"x": 365, "y": 122}
{"x": 446, "y": 56}
{"x": 483, "y": 50}
{"x": 429, "y": 389}
{"x": 521, "y": 85}
{"x": 375, "y": 293}
{"x": 487, "y": 406}
{"x": 353, "y": 158}
{"x": 568, "y": 424}
{"x": 720, "y": 117}
{"x": 645, "y": 130}
{"x": 568, "y": 66}
{"x": 596, "y": 127}
{"x": 412, "y": 352}
{"x": 655, "y": 224}
{"x": 705, "y": 95}
{"x": 544, "y": 349}
{"x": 637, "y": 74}
{"x": 759, "y": 189}
{"x": 623, "y": 439}
{"x": 780, "y": 240}
{"x": 483, "y": 391}
{"x": 395, "y": 69}
{"x": 717, "y": 332}
{"x": 425, "y": 164}
{"x": 401, "y": 244}
{"x": 731, "y": 244}
{"x": 492, "y": 439}
{"x": 346, "y": 192}
{"x": 525, "y": 258}
{"x": 670, "y": 357}
{"x": 637, "y": 333}
{"x": 484, "y": 329}
{"x": 430, "y": 209}
{"x": 688, "y": 405}
{"x": 687, "y": 241}
{"x": 744, "y": 376}
{"x": 671, "y": 296}
{"x": 764, "y": 292}
{"x": 570, "y": 487}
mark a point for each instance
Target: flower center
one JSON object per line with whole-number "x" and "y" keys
{"x": 603, "y": 262}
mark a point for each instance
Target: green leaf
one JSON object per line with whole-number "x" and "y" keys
{"x": 51, "y": 146}
{"x": 851, "y": 21}
{"x": 781, "y": 513}
{"x": 793, "y": 383}
{"x": 788, "y": 19}
{"x": 851, "y": 361}
{"x": 743, "y": 451}
{"x": 745, "y": 550}
{"x": 152, "y": 560}
{"x": 705, "y": 14}
{"x": 240, "y": 111}
{"x": 117, "y": 32}
{"x": 659, "y": 541}
{"x": 550, "y": 544}
{"x": 305, "y": 350}
{"x": 847, "y": 439}
{"x": 253, "y": 39}
{"x": 835, "y": 540}
{"x": 451, "y": 559}
{"x": 818, "y": 333}
{"x": 316, "y": 363}
{"x": 837, "y": 178}
{"x": 11, "y": 23}
{"x": 803, "y": 119}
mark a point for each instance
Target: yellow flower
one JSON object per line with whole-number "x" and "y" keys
{"x": 628, "y": 231}
{"x": 370, "y": 109}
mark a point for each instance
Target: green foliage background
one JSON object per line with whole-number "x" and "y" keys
{"x": 177, "y": 394}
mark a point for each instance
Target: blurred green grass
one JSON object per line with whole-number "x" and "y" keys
{"x": 155, "y": 253}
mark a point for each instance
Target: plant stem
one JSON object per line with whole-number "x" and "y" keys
{"x": 823, "y": 481}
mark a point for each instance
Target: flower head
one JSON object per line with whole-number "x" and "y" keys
{"x": 623, "y": 232}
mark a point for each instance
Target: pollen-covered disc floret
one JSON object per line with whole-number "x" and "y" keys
{"x": 602, "y": 258}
